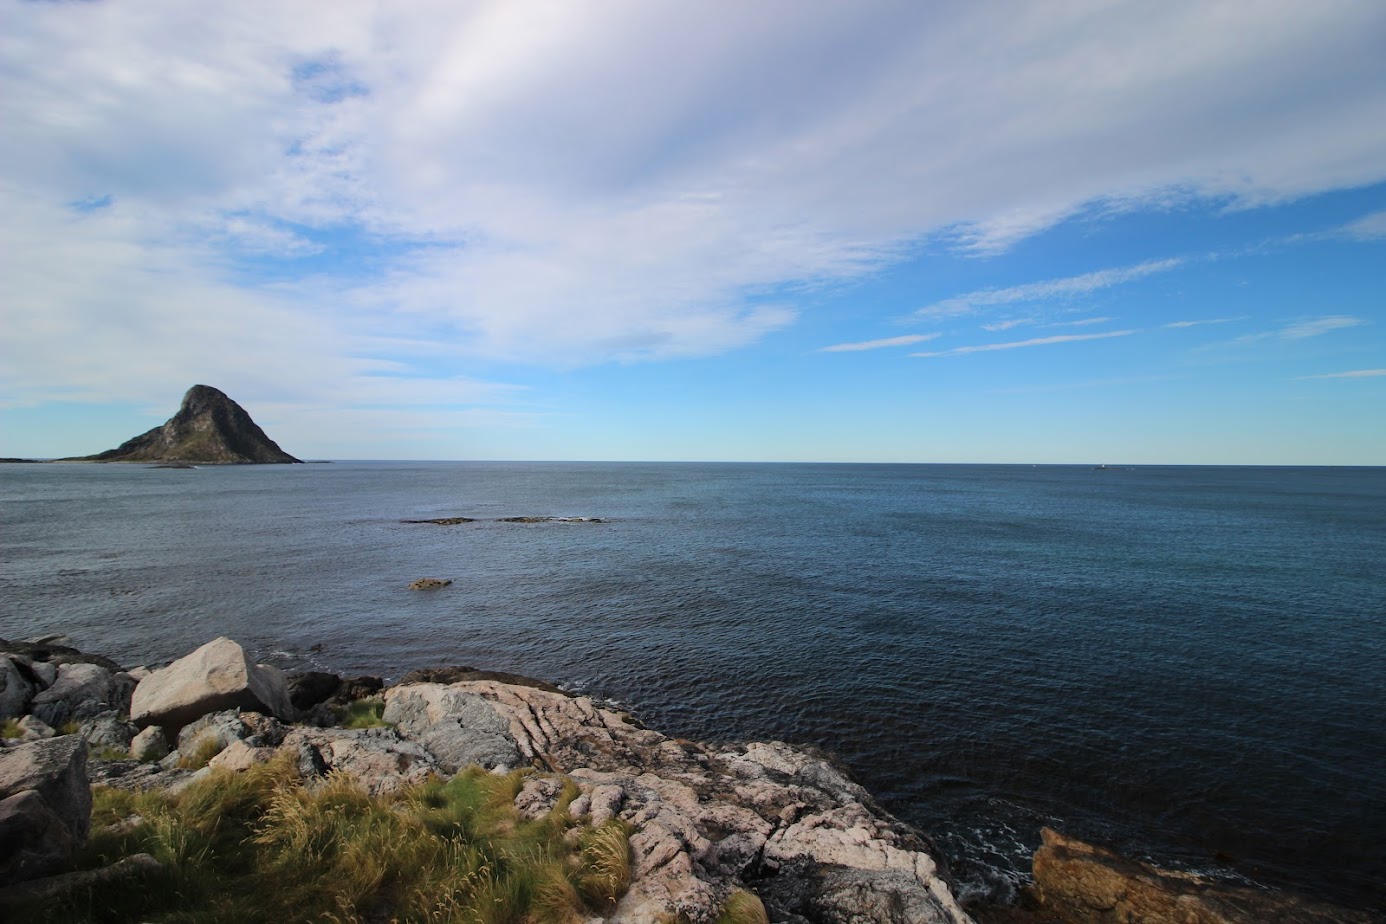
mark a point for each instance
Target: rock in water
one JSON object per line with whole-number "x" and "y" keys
{"x": 216, "y": 676}
{"x": 208, "y": 428}
{"x": 1079, "y": 883}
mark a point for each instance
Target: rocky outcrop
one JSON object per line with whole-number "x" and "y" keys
{"x": 45, "y": 806}
{"x": 430, "y": 584}
{"x": 83, "y": 690}
{"x": 16, "y": 690}
{"x": 1079, "y": 883}
{"x": 705, "y": 821}
{"x": 215, "y": 677}
{"x": 209, "y": 428}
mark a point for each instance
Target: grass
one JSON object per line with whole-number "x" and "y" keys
{"x": 261, "y": 846}
{"x": 204, "y": 748}
{"x": 364, "y": 713}
{"x": 743, "y": 907}
{"x": 10, "y": 729}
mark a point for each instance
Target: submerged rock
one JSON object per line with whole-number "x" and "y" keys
{"x": 430, "y": 583}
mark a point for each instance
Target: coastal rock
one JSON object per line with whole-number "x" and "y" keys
{"x": 309, "y": 688}
{"x": 16, "y": 691}
{"x": 354, "y": 688}
{"x": 216, "y": 676}
{"x": 208, "y": 428}
{"x": 107, "y": 730}
{"x": 45, "y": 672}
{"x": 43, "y": 827}
{"x": 35, "y": 729}
{"x": 34, "y": 841}
{"x": 1083, "y": 884}
{"x": 707, "y": 822}
{"x": 149, "y": 745}
{"x": 82, "y": 690}
{"x": 54, "y": 650}
{"x": 456, "y": 727}
{"x": 379, "y": 757}
{"x": 430, "y": 584}
{"x": 448, "y": 675}
{"x": 239, "y": 756}
{"x": 443, "y": 521}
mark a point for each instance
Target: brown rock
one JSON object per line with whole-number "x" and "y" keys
{"x": 429, "y": 583}
{"x": 1084, "y": 884}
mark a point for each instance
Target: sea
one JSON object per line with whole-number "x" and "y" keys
{"x": 1185, "y": 663}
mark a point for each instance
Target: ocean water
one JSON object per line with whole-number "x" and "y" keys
{"x": 1186, "y": 663}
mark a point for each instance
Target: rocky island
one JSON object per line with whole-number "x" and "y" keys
{"x": 215, "y": 788}
{"x": 209, "y": 429}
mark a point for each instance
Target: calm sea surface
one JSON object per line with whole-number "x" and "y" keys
{"x": 1189, "y": 663}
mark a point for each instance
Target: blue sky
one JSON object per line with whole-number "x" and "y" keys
{"x": 883, "y": 231}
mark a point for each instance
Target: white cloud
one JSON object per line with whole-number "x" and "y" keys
{"x": 973, "y": 302}
{"x": 538, "y": 182}
{"x": 1017, "y": 344}
{"x": 878, "y": 344}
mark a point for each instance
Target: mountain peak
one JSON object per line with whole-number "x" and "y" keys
{"x": 208, "y": 428}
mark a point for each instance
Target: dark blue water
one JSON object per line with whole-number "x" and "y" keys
{"x": 1189, "y": 663}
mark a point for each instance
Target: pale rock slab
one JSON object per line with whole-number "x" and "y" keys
{"x": 215, "y": 677}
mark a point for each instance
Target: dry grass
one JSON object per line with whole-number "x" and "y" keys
{"x": 204, "y": 748}
{"x": 364, "y": 713}
{"x": 260, "y": 846}
{"x": 743, "y": 907}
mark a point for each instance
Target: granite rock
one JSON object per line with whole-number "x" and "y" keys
{"x": 215, "y": 677}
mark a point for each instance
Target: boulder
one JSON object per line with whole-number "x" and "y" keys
{"x": 42, "y": 828}
{"x": 1082, "y": 884}
{"x": 82, "y": 690}
{"x": 149, "y": 745}
{"x": 430, "y": 584}
{"x": 34, "y": 841}
{"x": 457, "y": 728}
{"x": 45, "y": 672}
{"x": 107, "y": 730}
{"x": 35, "y": 729}
{"x": 215, "y": 677}
{"x": 16, "y": 691}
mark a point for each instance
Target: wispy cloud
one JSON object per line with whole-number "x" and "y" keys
{"x": 974, "y": 302}
{"x": 1367, "y": 228}
{"x": 1200, "y": 323}
{"x": 1354, "y": 374}
{"x": 878, "y": 344}
{"x": 1299, "y": 330}
{"x": 1017, "y": 344}
{"x": 1318, "y": 326}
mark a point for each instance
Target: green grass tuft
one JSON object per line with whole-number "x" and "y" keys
{"x": 261, "y": 846}
{"x": 10, "y": 729}
{"x": 364, "y": 713}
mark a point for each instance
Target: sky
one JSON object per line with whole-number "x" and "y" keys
{"x": 1078, "y": 231}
